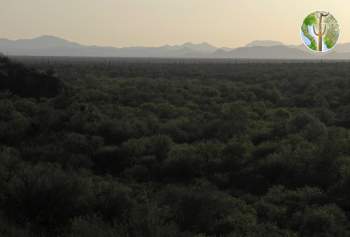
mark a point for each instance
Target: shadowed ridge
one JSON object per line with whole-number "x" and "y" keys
{"x": 26, "y": 82}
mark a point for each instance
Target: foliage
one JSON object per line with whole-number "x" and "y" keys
{"x": 111, "y": 147}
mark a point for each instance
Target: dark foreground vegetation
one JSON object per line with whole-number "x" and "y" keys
{"x": 174, "y": 149}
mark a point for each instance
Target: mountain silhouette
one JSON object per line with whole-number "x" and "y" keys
{"x": 264, "y": 43}
{"x": 261, "y": 49}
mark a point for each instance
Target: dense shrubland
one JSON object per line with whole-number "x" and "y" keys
{"x": 122, "y": 148}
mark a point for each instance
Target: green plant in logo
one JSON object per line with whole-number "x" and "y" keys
{"x": 320, "y": 31}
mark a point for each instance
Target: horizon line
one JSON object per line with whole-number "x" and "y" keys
{"x": 153, "y": 46}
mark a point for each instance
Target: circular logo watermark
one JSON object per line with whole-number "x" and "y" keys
{"x": 320, "y": 31}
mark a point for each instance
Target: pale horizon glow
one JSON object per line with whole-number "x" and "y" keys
{"x": 122, "y": 23}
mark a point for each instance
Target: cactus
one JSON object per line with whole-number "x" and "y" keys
{"x": 321, "y": 32}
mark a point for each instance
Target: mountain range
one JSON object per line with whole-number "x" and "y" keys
{"x": 266, "y": 49}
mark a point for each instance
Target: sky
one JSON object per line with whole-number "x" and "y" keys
{"x": 120, "y": 23}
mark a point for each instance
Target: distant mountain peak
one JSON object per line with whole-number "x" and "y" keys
{"x": 49, "y": 37}
{"x": 188, "y": 44}
{"x": 52, "y": 39}
{"x": 200, "y": 47}
{"x": 264, "y": 43}
{"x": 198, "y": 44}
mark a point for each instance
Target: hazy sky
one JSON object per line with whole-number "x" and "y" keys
{"x": 119, "y": 23}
